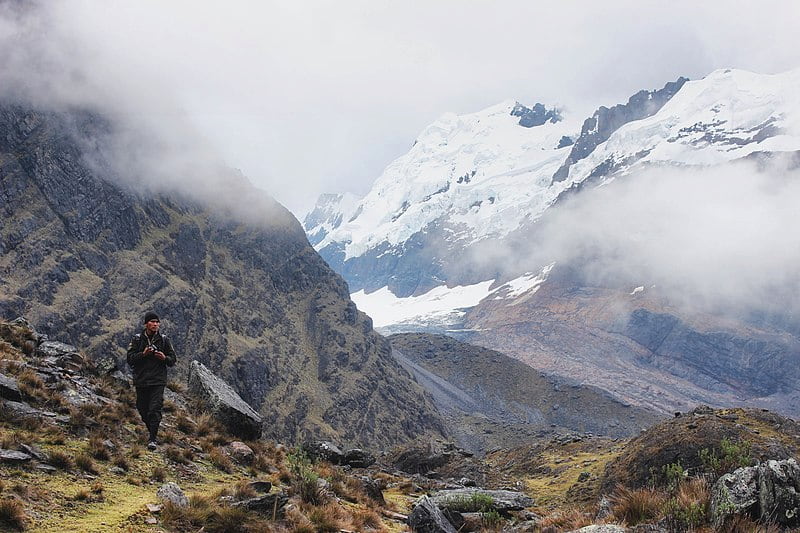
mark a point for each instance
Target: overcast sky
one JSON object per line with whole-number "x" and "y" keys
{"x": 309, "y": 97}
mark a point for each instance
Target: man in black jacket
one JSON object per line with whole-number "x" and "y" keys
{"x": 149, "y": 355}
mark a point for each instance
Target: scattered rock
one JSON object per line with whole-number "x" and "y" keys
{"x": 9, "y": 389}
{"x": 241, "y": 452}
{"x": 171, "y": 492}
{"x": 46, "y": 468}
{"x": 604, "y": 528}
{"x": 224, "y": 403}
{"x": 428, "y": 518}
{"x": 13, "y": 457}
{"x": 117, "y": 470}
{"x": 34, "y": 452}
{"x": 154, "y": 508}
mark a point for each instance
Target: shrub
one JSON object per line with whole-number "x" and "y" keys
{"x": 120, "y": 461}
{"x": 326, "y": 518}
{"x": 731, "y": 455}
{"x": 12, "y": 514}
{"x": 304, "y": 481}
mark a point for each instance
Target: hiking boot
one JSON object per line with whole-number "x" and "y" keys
{"x": 152, "y": 445}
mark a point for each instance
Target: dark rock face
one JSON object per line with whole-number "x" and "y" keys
{"x": 246, "y": 295}
{"x": 605, "y": 121}
{"x": 535, "y": 116}
{"x": 226, "y": 405}
{"x": 756, "y": 367}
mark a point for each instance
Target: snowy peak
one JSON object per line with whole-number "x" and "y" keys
{"x": 469, "y": 167}
{"x": 328, "y": 214}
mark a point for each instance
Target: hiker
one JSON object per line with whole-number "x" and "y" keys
{"x": 149, "y": 355}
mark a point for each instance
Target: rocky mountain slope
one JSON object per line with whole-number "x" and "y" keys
{"x": 492, "y": 401}
{"x": 466, "y": 234}
{"x": 72, "y": 459}
{"x": 83, "y": 254}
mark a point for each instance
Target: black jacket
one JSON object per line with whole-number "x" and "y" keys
{"x": 148, "y": 369}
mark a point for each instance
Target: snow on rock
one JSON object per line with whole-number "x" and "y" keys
{"x": 484, "y": 175}
{"x": 441, "y": 306}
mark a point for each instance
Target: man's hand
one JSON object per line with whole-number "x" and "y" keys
{"x": 148, "y": 350}
{"x": 160, "y": 355}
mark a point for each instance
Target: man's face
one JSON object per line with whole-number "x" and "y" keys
{"x": 152, "y": 326}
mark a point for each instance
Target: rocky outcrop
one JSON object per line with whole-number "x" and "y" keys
{"x": 464, "y": 500}
{"x": 223, "y": 402}
{"x": 535, "y": 116}
{"x": 768, "y": 492}
{"x": 428, "y": 518}
{"x": 237, "y": 286}
{"x": 9, "y": 389}
{"x": 605, "y": 121}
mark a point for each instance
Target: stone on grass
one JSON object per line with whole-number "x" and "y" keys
{"x": 171, "y": 492}
{"x": 223, "y": 402}
{"x": 13, "y": 457}
{"x": 241, "y": 452}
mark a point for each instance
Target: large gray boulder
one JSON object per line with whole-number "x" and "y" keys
{"x": 464, "y": 500}
{"x": 779, "y": 492}
{"x": 428, "y": 518}
{"x": 223, "y": 402}
{"x": 769, "y": 492}
{"x": 9, "y": 389}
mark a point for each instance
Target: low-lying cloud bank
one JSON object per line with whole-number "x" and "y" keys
{"x": 724, "y": 238}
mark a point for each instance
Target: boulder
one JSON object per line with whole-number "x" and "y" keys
{"x": 321, "y": 450}
{"x": 260, "y": 486}
{"x": 464, "y": 500}
{"x": 241, "y": 452}
{"x": 9, "y": 389}
{"x": 270, "y": 505}
{"x": 13, "y": 457}
{"x": 358, "y": 458}
{"x": 779, "y": 492}
{"x": 768, "y": 492}
{"x": 428, "y": 518}
{"x": 171, "y": 492}
{"x": 223, "y": 402}
{"x": 61, "y": 355}
{"x": 735, "y": 493}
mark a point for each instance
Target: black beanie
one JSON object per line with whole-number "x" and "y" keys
{"x": 150, "y": 316}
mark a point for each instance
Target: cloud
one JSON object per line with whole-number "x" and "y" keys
{"x": 314, "y": 96}
{"x": 723, "y": 238}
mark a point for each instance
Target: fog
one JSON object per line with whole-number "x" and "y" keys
{"x": 319, "y": 96}
{"x": 722, "y": 239}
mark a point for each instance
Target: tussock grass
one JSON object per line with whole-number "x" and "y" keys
{"x": 85, "y": 463}
{"x": 13, "y": 515}
{"x": 634, "y": 506}
{"x": 221, "y": 460}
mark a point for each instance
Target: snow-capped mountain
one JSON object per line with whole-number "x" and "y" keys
{"x": 438, "y": 241}
{"x": 480, "y": 177}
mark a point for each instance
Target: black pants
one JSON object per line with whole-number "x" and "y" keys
{"x": 149, "y": 401}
